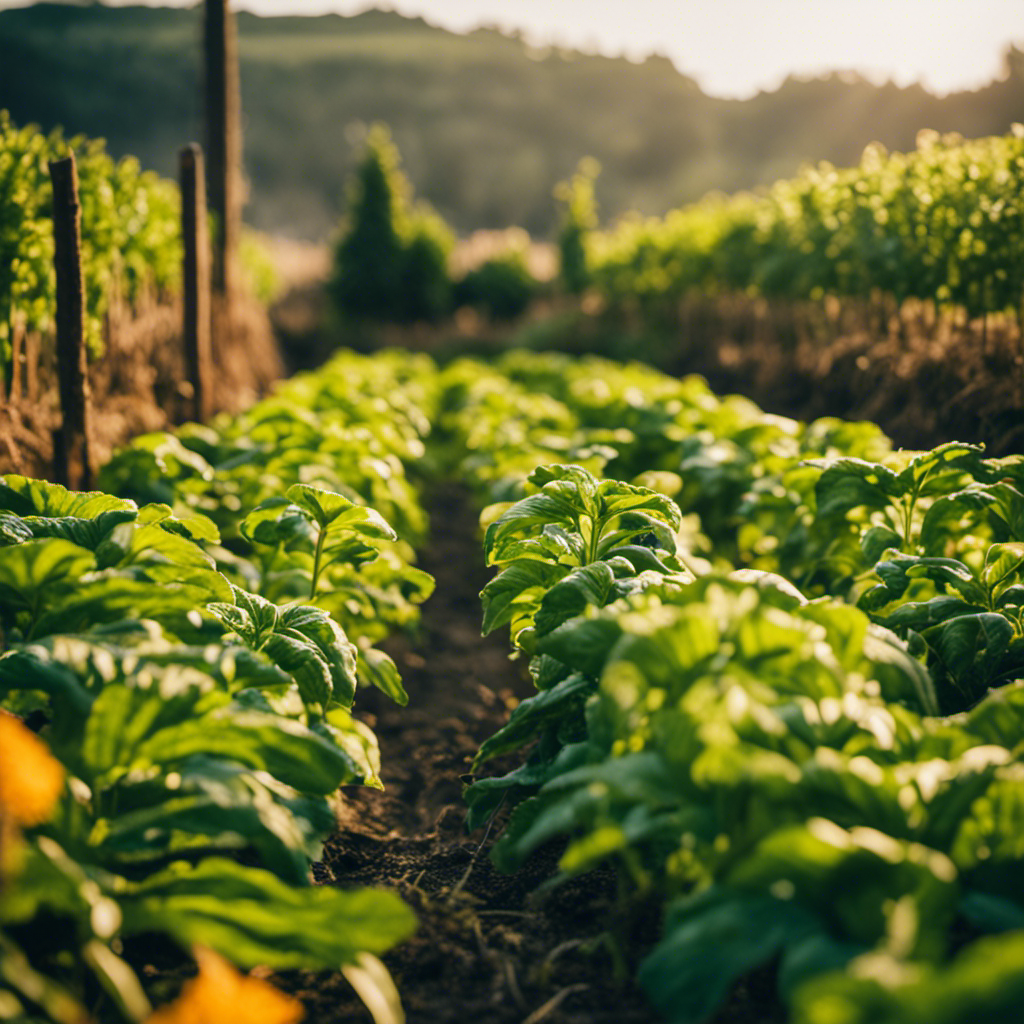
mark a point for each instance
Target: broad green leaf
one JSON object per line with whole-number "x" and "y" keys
{"x": 139, "y": 545}
{"x": 554, "y": 544}
{"x": 14, "y": 529}
{"x": 1004, "y": 566}
{"x": 633, "y": 527}
{"x": 999, "y": 717}
{"x": 710, "y": 941}
{"x": 302, "y": 640}
{"x": 86, "y": 533}
{"x": 574, "y": 485}
{"x": 534, "y": 713}
{"x": 357, "y": 740}
{"x": 846, "y": 484}
{"x": 314, "y": 626}
{"x": 592, "y": 584}
{"x": 583, "y": 644}
{"x": 185, "y": 522}
{"x": 287, "y": 750}
{"x": 27, "y": 497}
{"x": 931, "y": 471}
{"x": 970, "y": 649}
{"x": 920, "y": 615}
{"x": 876, "y": 541}
{"x": 375, "y": 668}
{"x": 168, "y": 594}
{"x": 952, "y": 515}
{"x": 516, "y": 591}
{"x": 40, "y": 572}
{"x": 898, "y": 571}
{"x": 537, "y": 510}
{"x": 222, "y": 802}
{"x": 253, "y": 918}
{"x": 617, "y": 497}
{"x": 902, "y": 676}
{"x": 335, "y": 512}
{"x": 641, "y": 559}
{"x": 279, "y": 521}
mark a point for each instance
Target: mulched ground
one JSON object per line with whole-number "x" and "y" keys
{"x": 485, "y": 950}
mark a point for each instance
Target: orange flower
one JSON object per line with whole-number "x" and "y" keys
{"x": 31, "y": 779}
{"x": 221, "y": 995}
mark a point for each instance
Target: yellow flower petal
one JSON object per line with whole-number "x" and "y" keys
{"x": 221, "y": 995}
{"x": 31, "y": 778}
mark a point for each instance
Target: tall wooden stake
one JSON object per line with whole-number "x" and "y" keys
{"x": 223, "y": 140}
{"x": 196, "y": 276}
{"x": 72, "y": 454}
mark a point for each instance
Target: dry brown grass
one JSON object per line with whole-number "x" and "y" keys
{"x": 137, "y": 384}
{"x": 925, "y": 376}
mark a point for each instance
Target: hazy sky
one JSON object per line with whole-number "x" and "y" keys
{"x": 735, "y": 47}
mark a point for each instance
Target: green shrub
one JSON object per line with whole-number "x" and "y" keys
{"x": 501, "y": 288}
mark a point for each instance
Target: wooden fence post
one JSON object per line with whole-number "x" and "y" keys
{"x": 196, "y": 278}
{"x": 72, "y": 449}
{"x": 223, "y": 141}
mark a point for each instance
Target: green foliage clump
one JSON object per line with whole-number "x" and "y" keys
{"x": 579, "y": 220}
{"x": 391, "y": 263}
{"x": 501, "y": 288}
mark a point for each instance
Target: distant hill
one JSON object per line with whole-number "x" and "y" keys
{"x": 486, "y": 125}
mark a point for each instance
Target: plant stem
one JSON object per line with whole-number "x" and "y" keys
{"x": 594, "y": 542}
{"x": 317, "y": 556}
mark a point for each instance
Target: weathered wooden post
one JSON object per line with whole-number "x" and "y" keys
{"x": 196, "y": 279}
{"x": 72, "y": 449}
{"x": 223, "y": 141}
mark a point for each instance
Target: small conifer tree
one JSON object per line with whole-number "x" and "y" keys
{"x": 391, "y": 263}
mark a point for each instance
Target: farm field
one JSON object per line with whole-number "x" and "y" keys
{"x": 502, "y": 663}
{"x": 763, "y": 657}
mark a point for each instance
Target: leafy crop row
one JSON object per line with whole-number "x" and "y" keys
{"x": 130, "y": 229}
{"x": 940, "y": 223}
{"x": 788, "y": 703}
{"x": 190, "y": 651}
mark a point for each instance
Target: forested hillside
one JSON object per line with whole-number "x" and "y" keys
{"x": 474, "y": 116}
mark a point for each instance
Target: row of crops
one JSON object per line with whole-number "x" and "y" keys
{"x": 942, "y": 223}
{"x": 131, "y": 235}
{"x": 189, "y": 641}
{"x": 131, "y": 230}
{"x": 785, "y": 704}
{"x": 776, "y": 666}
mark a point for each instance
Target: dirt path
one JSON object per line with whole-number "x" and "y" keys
{"x": 485, "y": 952}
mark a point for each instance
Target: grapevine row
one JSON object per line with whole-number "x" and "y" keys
{"x": 131, "y": 241}
{"x": 942, "y": 223}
